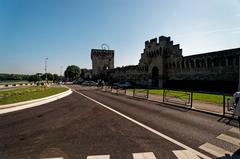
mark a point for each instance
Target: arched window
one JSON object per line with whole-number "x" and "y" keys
{"x": 209, "y": 62}
{"x": 187, "y": 64}
{"x": 174, "y": 66}
{"x": 230, "y": 60}
{"x": 178, "y": 64}
{"x": 197, "y": 63}
{"x": 237, "y": 60}
{"x": 182, "y": 63}
{"x": 223, "y": 61}
{"x": 215, "y": 62}
{"x": 192, "y": 63}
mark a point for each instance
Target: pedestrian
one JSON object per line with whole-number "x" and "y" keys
{"x": 237, "y": 111}
{"x": 236, "y": 106}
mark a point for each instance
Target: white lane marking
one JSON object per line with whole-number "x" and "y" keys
{"x": 185, "y": 154}
{"x": 214, "y": 150}
{"x": 229, "y": 139}
{"x": 99, "y": 157}
{"x": 149, "y": 129}
{"x": 235, "y": 130}
{"x": 144, "y": 155}
{"x": 53, "y": 158}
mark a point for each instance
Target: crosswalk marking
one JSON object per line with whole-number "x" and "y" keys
{"x": 53, "y": 158}
{"x": 185, "y": 154}
{"x": 229, "y": 139}
{"x": 144, "y": 155}
{"x": 214, "y": 150}
{"x": 99, "y": 157}
{"x": 235, "y": 130}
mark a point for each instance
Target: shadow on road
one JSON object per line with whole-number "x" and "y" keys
{"x": 236, "y": 155}
{"x": 229, "y": 121}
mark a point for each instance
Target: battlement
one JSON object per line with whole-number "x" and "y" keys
{"x": 155, "y": 42}
{"x": 102, "y": 53}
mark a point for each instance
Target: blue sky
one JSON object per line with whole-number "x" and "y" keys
{"x": 65, "y": 31}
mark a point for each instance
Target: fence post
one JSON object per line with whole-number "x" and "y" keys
{"x": 223, "y": 105}
{"x": 163, "y": 95}
{"x": 134, "y": 92}
{"x": 191, "y": 98}
{"x": 147, "y": 93}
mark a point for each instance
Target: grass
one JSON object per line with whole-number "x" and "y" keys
{"x": 204, "y": 97}
{"x": 30, "y": 93}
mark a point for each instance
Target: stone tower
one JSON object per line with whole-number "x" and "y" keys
{"x": 101, "y": 60}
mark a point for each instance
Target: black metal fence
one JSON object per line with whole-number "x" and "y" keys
{"x": 218, "y": 103}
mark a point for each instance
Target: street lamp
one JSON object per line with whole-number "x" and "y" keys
{"x": 46, "y": 69}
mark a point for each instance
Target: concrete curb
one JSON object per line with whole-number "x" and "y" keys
{"x": 33, "y": 103}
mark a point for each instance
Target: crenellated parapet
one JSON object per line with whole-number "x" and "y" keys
{"x": 162, "y": 47}
{"x": 102, "y": 53}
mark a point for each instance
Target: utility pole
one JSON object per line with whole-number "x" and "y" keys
{"x": 46, "y": 69}
{"x": 61, "y": 79}
{"x": 238, "y": 73}
{"x": 61, "y": 70}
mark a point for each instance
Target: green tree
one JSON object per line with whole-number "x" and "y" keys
{"x": 34, "y": 78}
{"x": 49, "y": 76}
{"x": 72, "y": 72}
{"x": 56, "y": 78}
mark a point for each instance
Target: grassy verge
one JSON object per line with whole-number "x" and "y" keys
{"x": 30, "y": 93}
{"x": 204, "y": 97}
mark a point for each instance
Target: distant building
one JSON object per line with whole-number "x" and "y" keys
{"x": 101, "y": 60}
{"x": 163, "y": 65}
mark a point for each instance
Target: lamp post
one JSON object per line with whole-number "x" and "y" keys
{"x": 46, "y": 69}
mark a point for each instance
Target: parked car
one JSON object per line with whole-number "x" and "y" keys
{"x": 122, "y": 85}
{"x": 79, "y": 81}
{"x": 89, "y": 83}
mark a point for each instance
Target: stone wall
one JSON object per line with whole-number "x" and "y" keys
{"x": 101, "y": 60}
{"x": 213, "y": 66}
{"x": 163, "y": 65}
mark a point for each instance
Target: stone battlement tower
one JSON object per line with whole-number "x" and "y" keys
{"x": 101, "y": 60}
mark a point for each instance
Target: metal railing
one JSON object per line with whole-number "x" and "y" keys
{"x": 185, "y": 98}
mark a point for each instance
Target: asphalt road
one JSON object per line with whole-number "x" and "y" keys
{"x": 77, "y": 127}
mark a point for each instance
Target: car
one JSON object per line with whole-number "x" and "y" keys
{"x": 122, "y": 85}
{"x": 89, "y": 83}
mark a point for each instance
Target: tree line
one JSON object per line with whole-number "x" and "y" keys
{"x": 72, "y": 73}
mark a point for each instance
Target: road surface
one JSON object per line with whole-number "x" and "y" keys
{"x": 92, "y": 124}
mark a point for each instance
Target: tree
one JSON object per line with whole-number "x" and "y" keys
{"x": 49, "y": 76}
{"x": 56, "y": 78}
{"x": 35, "y": 78}
{"x": 72, "y": 72}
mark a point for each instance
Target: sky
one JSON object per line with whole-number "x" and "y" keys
{"x": 65, "y": 31}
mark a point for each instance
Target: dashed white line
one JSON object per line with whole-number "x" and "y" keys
{"x": 148, "y": 128}
{"x": 185, "y": 154}
{"x": 214, "y": 150}
{"x": 99, "y": 157}
{"x": 229, "y": 139}
{"x": 53, "y": 158}
{"x": 144, "y": 155}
